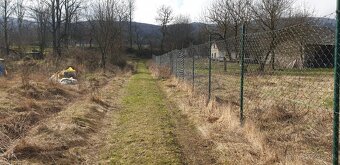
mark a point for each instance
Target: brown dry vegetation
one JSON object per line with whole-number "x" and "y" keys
{"x": 74, "y": 135}
{"x": 288, "y": 118}
{"x": 43, "y": 122}
{"x": 162, "y": 72}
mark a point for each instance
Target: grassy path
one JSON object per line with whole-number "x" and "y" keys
{"x": 144, "y": 132}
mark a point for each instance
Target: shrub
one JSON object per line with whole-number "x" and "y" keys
{"x": 163, "y": 72}
{"x": 118, "y": 60}
{"x": 27, "y": 68}
{"x": 86, "y": 58}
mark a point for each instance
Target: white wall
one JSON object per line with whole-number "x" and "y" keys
{"x": 216, "y": 53}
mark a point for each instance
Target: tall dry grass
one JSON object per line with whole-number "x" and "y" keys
{"x": 276, "y": 130}
{"x": 162, "y": 72}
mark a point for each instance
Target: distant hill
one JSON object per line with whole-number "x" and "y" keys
{"x": 325, "y": 22}
{"x": 147, "y": 29}
{"x": 154, "y": 30}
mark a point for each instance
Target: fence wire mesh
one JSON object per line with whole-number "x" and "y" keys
{"x": 288, "y": 76}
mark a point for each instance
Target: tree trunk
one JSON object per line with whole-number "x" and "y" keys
{"x": 225, "y": 64}
{"x": 6, "y": 26}
{"x": 271, "y": 50}
{"x": 273, "y": 60}
{"x": 6, "y": 36}
{"x": 302, "y": 53}
{"x": 130, "y": 29}
{"x": 54, "y": 30}
{"x": 91, "y": 43}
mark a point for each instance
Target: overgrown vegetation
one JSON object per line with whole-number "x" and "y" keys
{"x": 286, "y": 121}
{"x": 28, "y": 97}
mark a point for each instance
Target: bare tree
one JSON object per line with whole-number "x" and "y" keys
{"x": 180, "y": 32}
{"x": 268, "y": 13}
{"x": 219, "y": 15}
{"x": 56, "y": 8}
{"x": 229, "y": 15}
{"x": 7, "y": 9}
{"x": 164, "y": 17}
{"x": 71, "y": 8}
{"x": 122, "y": 11}
{"x": 40, "y": 13}
{"x": 271, "y": 15}
{"x": 107, "y": 19}
{"x": 20, "y": 14}
{"x": 79, "y": 30}
{"x": 131, "y": 6}
{"x": 139, "y": 39}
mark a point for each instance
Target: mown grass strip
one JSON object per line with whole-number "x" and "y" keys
{"x": 145, "y": 133}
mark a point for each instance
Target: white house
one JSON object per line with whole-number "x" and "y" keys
{"x": 218, "y": 51}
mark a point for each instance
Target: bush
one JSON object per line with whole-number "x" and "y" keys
{"x": 89, "y": 59}
{"x": 163, "y": 72}
{"x": 119, "y": 60}
{"x": 27, "y": 68}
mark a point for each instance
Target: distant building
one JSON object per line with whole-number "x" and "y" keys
{"x": 301, "y": 46}
{"x": 228, "y": 49}
{"x": 218, "y": 51}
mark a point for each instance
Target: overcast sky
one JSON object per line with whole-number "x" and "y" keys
{"x": 146, "y": 9}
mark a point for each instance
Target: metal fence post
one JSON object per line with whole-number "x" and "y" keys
{"x": 176, "y": 64}
{"x": 242, "y": 73}
{"x": 193, "y": 71}
{"x": 182, "y": 55}
{"x": 225, "y": 64}
{"x": 336, "y": 88}
{"x": 209, "y": 91}
{"x": 171, "y": 64}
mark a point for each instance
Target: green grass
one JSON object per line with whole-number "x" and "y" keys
{"x": 202, "y": 67}
{"x": 145, "y": 134}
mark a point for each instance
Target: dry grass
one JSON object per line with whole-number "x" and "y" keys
{"x": 161, "y": 72}
{"x": 29, "y": 101}
{"x": 62, "y": 137}
{"x": 288, "y": 118}
{"x": 26, "y": 106}
{"x": 26, "y": 110}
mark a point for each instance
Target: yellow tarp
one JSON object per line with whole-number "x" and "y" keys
{"x": 70, "y": 69}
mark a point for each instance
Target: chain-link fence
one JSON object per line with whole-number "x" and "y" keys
{"x": 287, "y": 76}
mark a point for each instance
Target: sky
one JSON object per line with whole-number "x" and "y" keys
{"x": 146, "y": 9}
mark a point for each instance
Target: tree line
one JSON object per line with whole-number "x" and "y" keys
{"x": 108, "y": 24}
{"x": 224, "y": 18}
{"x": 256, "y": 16}
{"x": 59, "y": 24}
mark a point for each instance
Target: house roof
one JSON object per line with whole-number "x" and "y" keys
{"x": 308, "y": 34}
{"x": 221, "y": 45}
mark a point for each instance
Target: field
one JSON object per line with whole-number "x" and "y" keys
{"x": 45, "y": 122}
{"x": 288, "y": 112}
{"x": 125, "y": 118}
